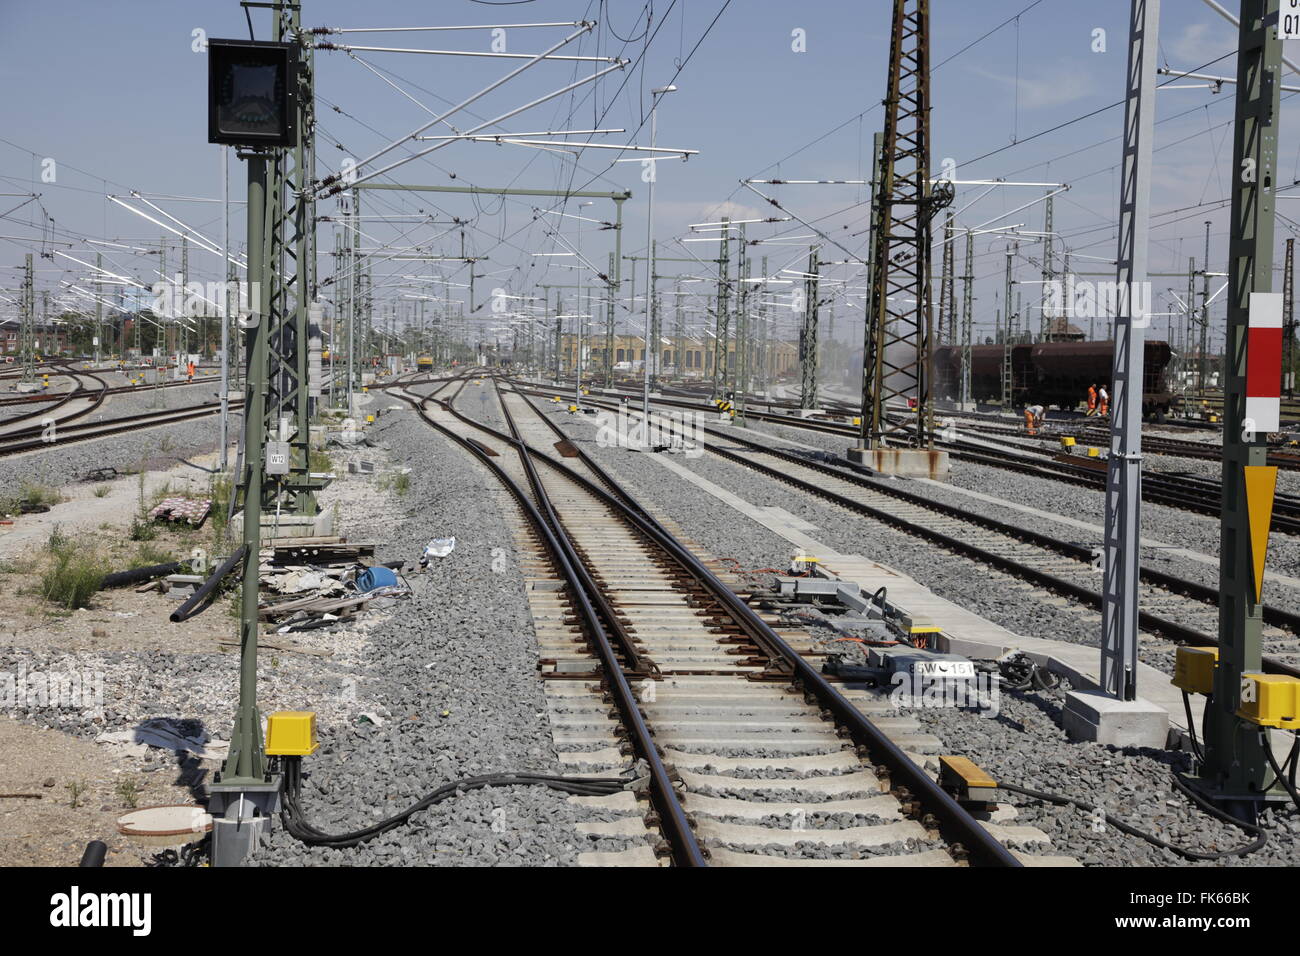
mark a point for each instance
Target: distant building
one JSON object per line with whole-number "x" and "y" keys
{"x": 50, "y": 339}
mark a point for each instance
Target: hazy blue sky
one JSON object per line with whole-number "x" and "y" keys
{"x": 112, "y": 91}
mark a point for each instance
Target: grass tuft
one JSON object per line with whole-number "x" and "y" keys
{"x": 73, "y": 578}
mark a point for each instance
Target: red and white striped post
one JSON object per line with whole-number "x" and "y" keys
{"x": 1263, "y": 365}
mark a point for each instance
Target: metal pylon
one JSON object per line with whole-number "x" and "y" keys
{"x": 967, "y": 309}
{"x": 722, "y": 319}
{"x": 1120, "y": 593}
{"x": 1008, "y": 373}
{"x": 1049, "y": 271}
{"x": 27, "y": 328}
{"x": 898, "y": 362}
{"x": 947, "y": 303}
{"x": 808, "y": 335}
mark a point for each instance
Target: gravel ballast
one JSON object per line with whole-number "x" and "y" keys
{"x": 1024, "y": 742}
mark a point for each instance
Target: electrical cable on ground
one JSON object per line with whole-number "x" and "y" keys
{"x": 1260, "y": 837}
{"x": 295, "y": 823}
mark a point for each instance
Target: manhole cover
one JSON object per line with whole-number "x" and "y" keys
{"x": 173, "y": 825}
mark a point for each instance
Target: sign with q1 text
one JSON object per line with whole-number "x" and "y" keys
{"x": 1288, "y": 20}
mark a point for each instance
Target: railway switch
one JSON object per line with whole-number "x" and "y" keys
{"x": 1270, "y": 700}
{"x": 1194, "y": 669}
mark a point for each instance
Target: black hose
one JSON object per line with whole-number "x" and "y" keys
{"x": 292, "y": 817}
{"x": 94, "y": 854}
{"x": 186, "y": 610}
{"x": 122, "y": 579}
{"x": 1260, "y": 836}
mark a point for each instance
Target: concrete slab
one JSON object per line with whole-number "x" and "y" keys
{"x": 902, "y": 462}
{"x": 1091, "y": 715}
{"x": 884, "y": 807}
{"x": 738, "y": 834}
{"x": 625, "y": 827}
{"x": 721, "y": 857}
{"x": 636, "y": 856}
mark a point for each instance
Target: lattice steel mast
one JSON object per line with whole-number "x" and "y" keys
{"x": 897, "y": 363}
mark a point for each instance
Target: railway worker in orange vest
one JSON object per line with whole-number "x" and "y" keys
{"x": 1104, "y": 397}
{"x": 1092, "y": 400}
{"x": 1033, "y": 418}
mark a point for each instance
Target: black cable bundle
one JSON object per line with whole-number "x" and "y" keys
{"x": 1251, "y": 830}
{"x": 294, "y": 822}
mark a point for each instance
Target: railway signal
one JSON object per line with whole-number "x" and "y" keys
{"x": 1235, "y": 769}
{"x": 259, "y": 100}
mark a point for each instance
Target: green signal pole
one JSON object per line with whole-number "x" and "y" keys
{"x": 244, "y": 765}
{"x": 1235, "y": 768}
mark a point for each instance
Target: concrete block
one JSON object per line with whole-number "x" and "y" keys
{"x": 1092, "y": 715}
{"x": 288, "y": 525}
{"x": 903, "y": 462}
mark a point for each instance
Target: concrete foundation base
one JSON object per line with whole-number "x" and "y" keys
{"x": 904, "y": 462}
{"x": 810, "y": 412}
{"x": 288, "y": 526}
{"x": 1091, "y": 715}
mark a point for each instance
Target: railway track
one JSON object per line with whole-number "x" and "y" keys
{"x": 1184, "y": 492}
{"x": 1058, "y": 566}
{"x": 63, "y": 401}
{"x": 1151, "y": 444}
{"x": 38, "y": 438}
{"x": 721, "y": 697}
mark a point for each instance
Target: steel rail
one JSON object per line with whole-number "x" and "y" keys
{"x": 77, "y": 391}
{"x": 114, "y": 426}
{"x": 958, "y": 827}
{"x": 672, "y": 821}
{"x": 1151, "y": 622}
{"x": 1155, "y": 487}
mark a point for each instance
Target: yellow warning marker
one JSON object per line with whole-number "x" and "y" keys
{"x": 1261, "y": 483}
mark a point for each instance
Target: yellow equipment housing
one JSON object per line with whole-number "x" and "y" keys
{"x": 291, "y": 733}
{"x": 1276, "y": 700}
{"x": 1194, "y": 669}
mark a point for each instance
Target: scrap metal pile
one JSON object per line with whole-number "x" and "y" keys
{"x": 314, "y": 582}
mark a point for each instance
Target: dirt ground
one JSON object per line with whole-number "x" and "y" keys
{"x": 39, "y": 768}
{"x": 48, "y": 830}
